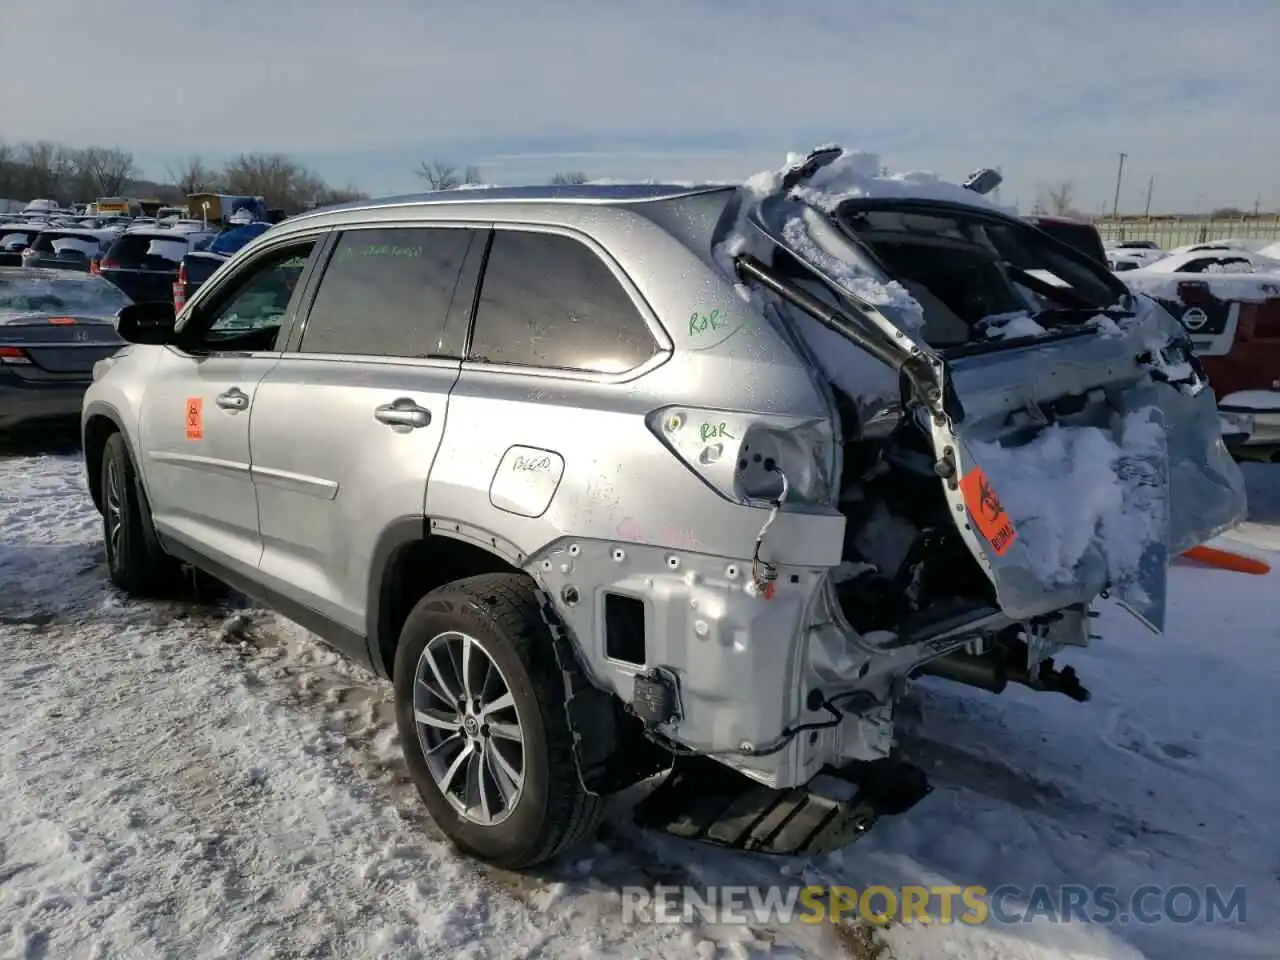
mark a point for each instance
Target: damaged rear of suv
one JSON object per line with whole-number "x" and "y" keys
{"x": 1011, "y": 435}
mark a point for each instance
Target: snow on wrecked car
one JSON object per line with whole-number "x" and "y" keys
{"x": 1063, "y": 418}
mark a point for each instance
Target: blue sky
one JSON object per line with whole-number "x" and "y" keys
{"x": 679, "y": 89}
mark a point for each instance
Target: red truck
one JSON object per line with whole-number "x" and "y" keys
{"x": 1234, "y": 322}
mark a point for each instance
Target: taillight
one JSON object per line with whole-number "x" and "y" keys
{"x": 180, "y": 288}
{"x": 108, "y": 265}
{"x": 13, "y": 355}
{"x": 95, "y": 266}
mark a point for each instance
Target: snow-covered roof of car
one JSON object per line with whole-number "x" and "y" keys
{"x": 81, "y": 232}
{"x": 1177, "y": 262}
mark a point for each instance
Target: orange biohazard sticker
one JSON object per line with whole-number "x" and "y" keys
{"x": 195, "y": 418}
{"x": 987, "y": 511}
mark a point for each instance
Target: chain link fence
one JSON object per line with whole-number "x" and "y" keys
{"x": 1170, "y": 232}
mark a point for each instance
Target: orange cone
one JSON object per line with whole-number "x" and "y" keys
{"x": 1226, "y": 560}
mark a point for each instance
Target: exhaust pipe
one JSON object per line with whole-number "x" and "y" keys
{"x": 994, "y": 672}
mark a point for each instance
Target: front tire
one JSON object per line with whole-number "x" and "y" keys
{"x": 135, "y": 560}
{"x": 480, "y": 706}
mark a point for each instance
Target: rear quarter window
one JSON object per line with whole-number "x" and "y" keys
{"x": 548, "y": 300}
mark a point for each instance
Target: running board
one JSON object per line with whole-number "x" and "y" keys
{"x": 705, "y": 801}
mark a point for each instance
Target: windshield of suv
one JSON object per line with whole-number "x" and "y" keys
{"x": 974, "y": 273}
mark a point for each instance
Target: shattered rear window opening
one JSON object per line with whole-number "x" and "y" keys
{"x": 977, "y": 276}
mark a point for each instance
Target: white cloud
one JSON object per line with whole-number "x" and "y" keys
{"x": 1047, "y": 90}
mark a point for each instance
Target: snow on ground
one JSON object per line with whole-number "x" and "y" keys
{"x": 202, "y": 782}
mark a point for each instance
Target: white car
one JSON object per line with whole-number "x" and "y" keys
{"x": 1214, "y": 260}
{"x": 1225, "y": 243}
{"x": 1131, "y": 254}
{"x": 1122, "y": 260}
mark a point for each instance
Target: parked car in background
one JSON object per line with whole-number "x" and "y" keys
{"x": 144, "y": 263}
{"x": 14, "y": 238}
{"x": 1229, "y": 302}
{"x": 1137, "y": 245}
{"x": 68, "y": 248}
{"x": 1132, "y": 254}
{"x": 1224, "y": 243}
{"x": 198, "y": 265}
{"x": 1122, "y": 260}
{"x": 1074, "y": 233}
{"x": 1214, "y": 260}
{"x": 54, "y": 326}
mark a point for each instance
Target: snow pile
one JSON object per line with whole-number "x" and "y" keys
{"x": 852, "y": 175}
{"x": 1007, "y": 326}
{"x": 173, "y": 250}
{"x": 1075, "y": 488}
{"x": 79, "y": 244}
{"x": 1260, "y": 400}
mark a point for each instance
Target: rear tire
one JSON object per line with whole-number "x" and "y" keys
{"x": 515, "y": 688}
{"x": 135, "y": 561}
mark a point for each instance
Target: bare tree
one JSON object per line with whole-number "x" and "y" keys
{"x": 441, "y": 175}
{"x": 48, "y": 168}
{"x": 564, "y": 178}
{"x": 281, "y": 181}
{"x": 192, "y": 176}
{"x": 106, "y": 169}
{"x": 331, "y": 195}
{"x": 39, "y": 170}
{"x": 1061, "y": 197}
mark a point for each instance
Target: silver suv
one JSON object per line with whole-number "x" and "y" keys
{"x": 614, "y": 479}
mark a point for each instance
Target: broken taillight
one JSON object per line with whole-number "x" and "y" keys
{"x": 180, "y": 288}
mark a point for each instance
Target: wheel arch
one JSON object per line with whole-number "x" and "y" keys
{"x": 413, "y": 556}
{"x": 99, "y": 421}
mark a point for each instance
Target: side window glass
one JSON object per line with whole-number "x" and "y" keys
{"x": 250, "y": 314}
{"x": 549, "y": 301}
{"x": 388, "y": 292}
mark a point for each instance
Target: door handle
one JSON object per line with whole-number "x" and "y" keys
{"x": 233, "y": 399}
{"x": 403, "y": 413}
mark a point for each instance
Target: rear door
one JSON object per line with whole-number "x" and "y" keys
{"x": 1072, "y": 464}
{"x": 199, "y": 400}
{"x": 347, "y": 425}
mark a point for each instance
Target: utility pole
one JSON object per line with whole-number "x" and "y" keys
{"x": 1150, "y": 184}
{"x": 1115, "y": 207}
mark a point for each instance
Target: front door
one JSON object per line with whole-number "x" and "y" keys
{"x": 194, "y": 429}
{"x": 347, "y": 425}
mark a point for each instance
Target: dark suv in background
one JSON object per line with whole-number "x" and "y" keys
{"x": 144, "y": 263}
{"x": 14, "y": 238}
{"x": 68, "y": 249}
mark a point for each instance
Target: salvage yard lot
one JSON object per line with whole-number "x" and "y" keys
{"x": 206, "y": 782}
